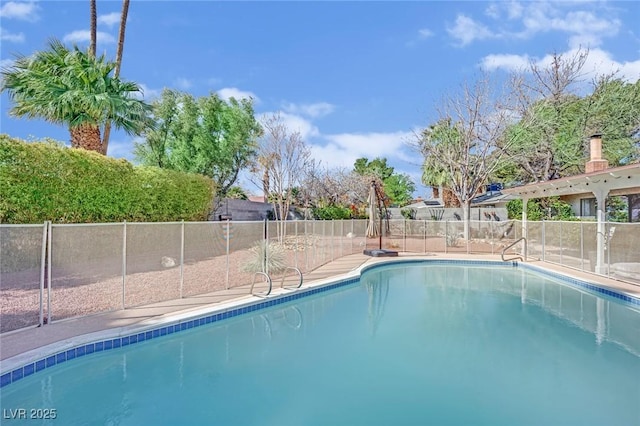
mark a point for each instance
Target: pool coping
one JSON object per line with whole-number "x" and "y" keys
{"x": 27, "y": 363}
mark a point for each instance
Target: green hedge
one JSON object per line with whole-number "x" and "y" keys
{"x": 331, "y": 213}
{"x": 48, "y": 181}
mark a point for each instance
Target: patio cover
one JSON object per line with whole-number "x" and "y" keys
{"x": 622, "y": 180}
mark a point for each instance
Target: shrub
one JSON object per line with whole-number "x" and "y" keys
{"x": 409, "y": 213}
{"x": 48, "y": 181}
{"x": 331, "y": 212}
{"x": 551, "y": 208}
{"x": 266, "y": 257}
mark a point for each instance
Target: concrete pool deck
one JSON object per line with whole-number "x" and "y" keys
{"x": 15, "y": 345}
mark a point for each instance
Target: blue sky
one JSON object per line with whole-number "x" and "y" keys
{"x": 355, "y": 78}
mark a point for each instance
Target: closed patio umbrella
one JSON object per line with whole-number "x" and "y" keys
{"x": 373, "y": 229}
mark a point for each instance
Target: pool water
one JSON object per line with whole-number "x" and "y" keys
{"x": 410, "y": 344}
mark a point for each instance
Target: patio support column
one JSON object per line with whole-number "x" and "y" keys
{"x": 525, "y": 201}
{"x": 601, "y": 197}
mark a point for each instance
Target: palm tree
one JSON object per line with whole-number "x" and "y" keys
{"x": 75, "y": 88}
{"x": 93, "y": 28}
{"x": 116, "y": 74}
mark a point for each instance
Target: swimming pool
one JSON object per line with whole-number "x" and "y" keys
{"x": 409, "y": 343}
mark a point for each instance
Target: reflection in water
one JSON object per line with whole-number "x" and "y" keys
{"x": 377, "y": 286}
{"x": 606, "y": 319}
{"x": 291, "y": 317}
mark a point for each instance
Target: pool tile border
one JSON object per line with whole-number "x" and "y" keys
{"x": 130, "y": 339}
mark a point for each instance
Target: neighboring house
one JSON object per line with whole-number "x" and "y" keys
{"x": 490, "y": 205}
{"x": 244, "y": 210}
{"x": 247, "y": 210}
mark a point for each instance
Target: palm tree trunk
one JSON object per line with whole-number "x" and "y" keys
{"x": 116, "y": 73}
{"x": 123, "y": 28}
{"x": 86, "y": 136}
{"x": 94, "y": 28}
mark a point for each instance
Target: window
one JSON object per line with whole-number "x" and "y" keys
{"x": 587, "y": 207}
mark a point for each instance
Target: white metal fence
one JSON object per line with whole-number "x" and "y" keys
{"x": 52, "y": 272}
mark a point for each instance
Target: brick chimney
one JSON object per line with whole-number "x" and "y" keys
{"x": 596, "y": 163}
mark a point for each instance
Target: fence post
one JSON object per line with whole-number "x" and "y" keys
{"x": 266, "y": 247}
{"x": 469, "y": 235}
{"x": 561, "y": 244}
{"x": 228, "y": 246}
{"x": 333, "y": 236}
{"x": 43, "y": 268}
{"x": 446, "y": 235}
{"x": 49, "y": 273}
{"x": 607, "y": 233}
{"x": 581, "y": 245}
{"x": 181, "y": 257}
{"x": 296, "y": 244}
{"x": 493, "y": 239}
{"x": 424, "y": 234}
{"x": 543, "y": 240}
{"x": 404, "y": 236}
{"x": 353, "y": 235}
{"x": 124, "y": 263}
{"x": 308, "y": 250}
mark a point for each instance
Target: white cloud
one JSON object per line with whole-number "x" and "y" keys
{"x": 598, "y": 62}
{"x": 148, "y": 94}
{"x": 425, "y": 33}
{"x": 524, "y": 20}
{"x": 82, "y": 36}
{"x": 294, "y": 123}
{"x": 505, "y": 9}
{"x": 316, "y": 110}
{"x": 586, "y": 28}
{"x": 184, "y": 83}
{"x": 11, "y": 37}
{"x": 467, "y": 30}
{"x": 233, "y": 92}
{"x": 109, "y": 19}
{"x": 343, "y": 149}
{"x": 505, "y": 62}
{"x": 25, "y": 11}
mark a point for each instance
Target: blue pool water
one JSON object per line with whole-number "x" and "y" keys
{"x": 409, "y": 344}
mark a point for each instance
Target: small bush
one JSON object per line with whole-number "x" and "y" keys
{"x": 409, "y": 213}
{"x": 266, "y": 257}
{"x": 331, "y": 212}
{"x": 48, "y": 181}
{"x": 551, "y": 208}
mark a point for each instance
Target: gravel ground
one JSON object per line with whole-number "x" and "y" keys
{"x": 84, "y": 294}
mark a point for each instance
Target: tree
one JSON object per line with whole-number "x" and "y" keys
{"x": 546, "y": 104}
{"x": 93, "y": 27}
{"x": 284, "y": 159}
{"x": 116, "y": 73}
{"x": 207, "y": 135}
{"x": 555, "y": 120}
{"x": 333, "y": 187}
{"x": 72, "y": 87}
{"x": 398, "y": 187}
{"x": 467, "y": 143}
{"x": 237, "y": 193}
{"x": 377, "y": 167}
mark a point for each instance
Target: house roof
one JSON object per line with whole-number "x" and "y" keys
{"x": 432, "y": 203}
{"x": 492, "y": 198}
{"x": 622, "y": 180}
